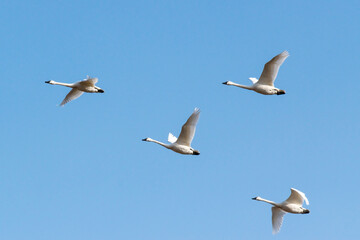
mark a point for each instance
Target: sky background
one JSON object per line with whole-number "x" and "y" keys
{"x": 82, "y": 172}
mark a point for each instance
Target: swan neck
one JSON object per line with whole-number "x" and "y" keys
{"x": 160, "y": 143}
{"x": 241, "y": 86}
{"x": 267, "y": 201}
{"x": 63, "y": 84}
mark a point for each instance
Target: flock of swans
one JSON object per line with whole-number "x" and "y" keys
{"x": 182, "y": 144}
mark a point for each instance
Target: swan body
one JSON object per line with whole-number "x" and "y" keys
{"x": 183, "y": 143}
{"x": 265, "y": 84}
{"x": 291, "y": 205}
{"x": 78, "y": 88}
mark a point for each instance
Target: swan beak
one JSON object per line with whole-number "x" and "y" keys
{"x": 306, "y": 211}
{"x": 254, "y": 198}
{"x": 144, "y": 139}
{"x": 225, "y": 83}
{"x": 196, "y": 152}
{"x": 47, "y": 81}
{"x": 101, "y": 91}
{"x": 280, "y": 92}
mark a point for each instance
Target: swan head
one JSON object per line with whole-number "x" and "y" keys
{"x": 196, "y": 152}
{"x": 255, "y": 198}
{"x": 100, "y": 91}
{"x": 50, "y": 82}
{"x": 227, "y": 82}
{"x": 146, "y": 139}
{"x": 280, "y": 92}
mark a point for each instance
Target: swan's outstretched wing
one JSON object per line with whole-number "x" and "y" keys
{"x": 171, "y": 138}
{"x": 188, "y": 129}
{"x": 72, "y": 95}
{"x": 277, "y": 219}
{"x": 297, "y": 197}
{"x": 271, "y": 69}
{"x": 89, "y": 81}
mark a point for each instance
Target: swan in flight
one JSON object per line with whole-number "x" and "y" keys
{"x": 291, "y": 205}
{"x": 183, "y": 143}
{"x": 265, "y": 84}
{"x": 78, "y": 88}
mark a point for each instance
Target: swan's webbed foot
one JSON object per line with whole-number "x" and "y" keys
{"x": 280, "y": 92}
{"x": 196, "y": 152}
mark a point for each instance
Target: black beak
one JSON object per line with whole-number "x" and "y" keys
{"x": 254, "y": 198}
{"x": 143, "y": 139}
{"x": 306, "y": 211}
{"x": 196, "y": 153}
{"x": 224, "y": 83}
{"x": 47, "y": 81}
{"x": 101, "y": 91}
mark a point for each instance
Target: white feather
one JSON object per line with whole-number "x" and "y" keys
{"x": 171, "y": 138}
{"x": 271, "y": 69}
{"x": 297, "y": 197}
{"x": 188, "y": 129}
{"x": 253, "y": 80}
{"x": 277, "y": 219}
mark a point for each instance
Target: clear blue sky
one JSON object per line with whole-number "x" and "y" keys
{"x": 82, "y": 171}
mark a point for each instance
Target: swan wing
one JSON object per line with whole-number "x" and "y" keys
{"x": 72, "y": 95}
{"x": 253, "y": 80}
{"x": 188, "y": 129}
{"x": 89, "y": 81}
{"x": 171, "y": 138}
{"x": 297, "y": 197}
{"x": 277, "y": 219}
{"x": 271, "y": 69}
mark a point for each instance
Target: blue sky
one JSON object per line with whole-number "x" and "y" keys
{"x": 82, "y": 172}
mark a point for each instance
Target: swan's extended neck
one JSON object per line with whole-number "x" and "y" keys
{"x": 160, "y": 143}
{"x": 265, "y": 200}
{"x": 61, "y": 84}
{"x": 239, "y": 85}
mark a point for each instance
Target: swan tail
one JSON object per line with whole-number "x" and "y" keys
{"x": 171, "y": 138}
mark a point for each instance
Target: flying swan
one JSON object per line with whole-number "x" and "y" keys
{"x": 183, "y": 143}
{"x": 291, "y": 205}
{"x": 265, "y": 85}
{"x": 78, "y": 88}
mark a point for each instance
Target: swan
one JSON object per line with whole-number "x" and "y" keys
{"x": 265, "y": 84}
{"x": 78, "y": 88}
{"x": 291, "y": 205}
{"x": 183, "y": 143}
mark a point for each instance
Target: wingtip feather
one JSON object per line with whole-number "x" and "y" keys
{"x": 302, "y": 194}
{"x": 285, "y": 53}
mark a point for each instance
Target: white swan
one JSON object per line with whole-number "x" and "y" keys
{"x": 183, "y": 143}
{"x": 265, "y": 84}
{"x": 291, "y": 205}
{"x": 78, "y": 88}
